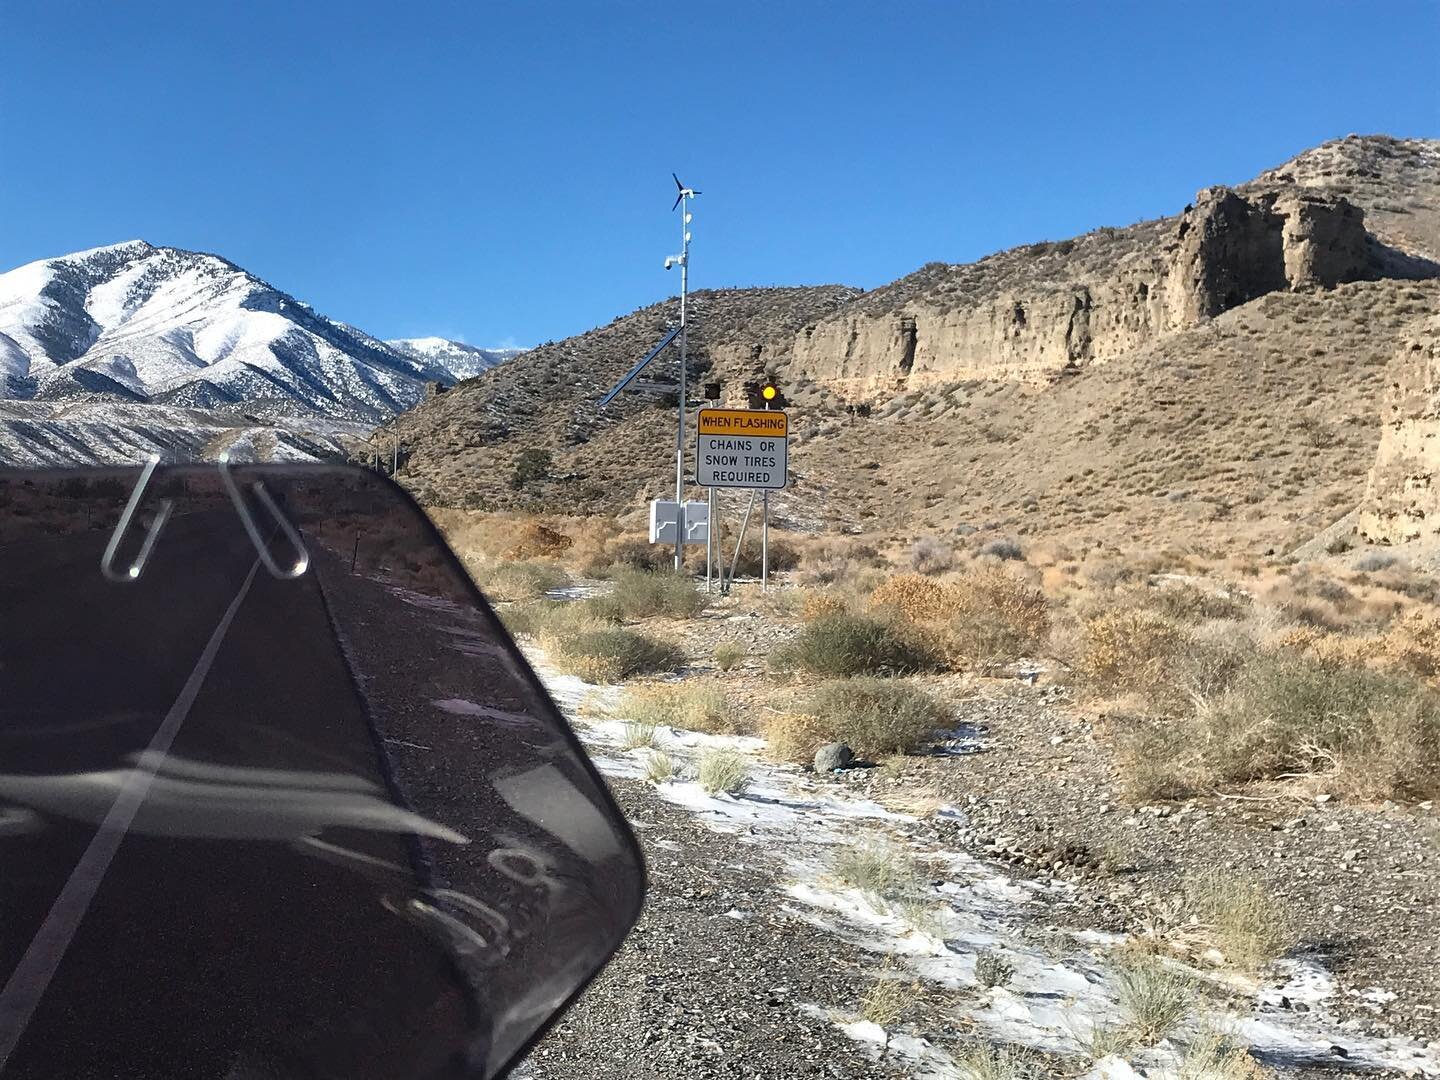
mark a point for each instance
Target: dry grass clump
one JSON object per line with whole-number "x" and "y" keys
{"x": 883, "y": 872}
{"x": 793, "y": 736}
{"x": 659, "y": 767}
{"x": 515, "y": 581}
{"x": 637, "y": 734}
{"x": 989, "y": 1062}
{"x": 833, "y": 561}
{"x": 1251, "y": 927}
{"x": 610, "y": 654}
{"x": 638, "y": 594}
{"x": 839, "y": 645}
{"x": 730, "y": 654}
{"x": 877, "y": 716}
{"x": 1154, "y": 998}
{"x": 917, "y": 598}
{"x": 692, "y": 705}
{"x": 722, "y": 770}
{"x": 1213, "y": 1056}
{"x": 886, "y": 1000}
{"x": 1410, "y": 646}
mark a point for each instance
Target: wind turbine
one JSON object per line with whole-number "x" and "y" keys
{"x": 684, "y": 192}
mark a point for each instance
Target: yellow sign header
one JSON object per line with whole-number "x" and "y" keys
{"x": 765, "y": 423}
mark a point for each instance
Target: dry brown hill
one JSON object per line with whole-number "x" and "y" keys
{"x": 1214, "y": 377}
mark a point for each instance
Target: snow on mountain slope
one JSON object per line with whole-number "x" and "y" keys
{"x": 137, "y": 323}
{"x": 460, "y": 360}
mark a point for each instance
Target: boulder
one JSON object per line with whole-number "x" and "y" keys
{"x": 833, "y": 756}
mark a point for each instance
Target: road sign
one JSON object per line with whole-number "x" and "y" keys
{"x": 742, "y": 448}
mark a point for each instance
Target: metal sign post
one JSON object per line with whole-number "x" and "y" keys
{"x": 682, "y": 201}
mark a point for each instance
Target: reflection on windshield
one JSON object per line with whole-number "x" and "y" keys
{"x": 244, "y": 831}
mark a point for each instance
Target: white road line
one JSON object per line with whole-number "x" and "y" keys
{"x": 31, "y": 977}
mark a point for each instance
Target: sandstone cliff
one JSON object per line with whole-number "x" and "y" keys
{"x": 1047, "y": 310}
{"x": 1402, "y": 497}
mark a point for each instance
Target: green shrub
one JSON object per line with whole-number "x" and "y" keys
{"x": 853, "y": 645}
{"x": 611, "y": 654}
{"x": 640, "y": 594}
{"x": 878, "y": 716}
{"x": 1286, "y": 714}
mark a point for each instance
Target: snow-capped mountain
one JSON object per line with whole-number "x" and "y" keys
{"x": 158, "y": 325}
{"x": 460, "y": 360}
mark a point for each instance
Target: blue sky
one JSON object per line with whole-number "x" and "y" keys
{"x": 501, "y": 171}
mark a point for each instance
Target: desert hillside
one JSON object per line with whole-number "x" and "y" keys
{"x": 1215, "y": 377}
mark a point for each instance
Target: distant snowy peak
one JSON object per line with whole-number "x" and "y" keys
{"x": 460, "y": 360}
{"x": 134, "y": 322}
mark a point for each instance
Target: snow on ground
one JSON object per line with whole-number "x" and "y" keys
{"x": 1056, "y": 995}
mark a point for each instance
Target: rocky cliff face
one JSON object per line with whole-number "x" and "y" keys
{"x": 1402, "y": 497}
{"x": 1107, "y": 294}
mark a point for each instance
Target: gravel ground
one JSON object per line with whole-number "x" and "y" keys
{"x": 713, "y": 981}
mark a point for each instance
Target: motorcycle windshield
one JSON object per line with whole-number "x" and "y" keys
{"x": 278, "y": 795}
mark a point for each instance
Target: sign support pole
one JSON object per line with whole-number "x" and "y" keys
{"x": 739, "y": 541}
{"x": 709, "y": 537}
{"x": 765, "y": 542}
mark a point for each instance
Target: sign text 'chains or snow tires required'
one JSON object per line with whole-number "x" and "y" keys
{"x": 742, "y": 448}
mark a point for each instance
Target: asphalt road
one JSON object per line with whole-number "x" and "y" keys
{"x": 173, "y": 955}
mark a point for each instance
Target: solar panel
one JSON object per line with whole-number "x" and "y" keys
{"x": 615, "y": 390}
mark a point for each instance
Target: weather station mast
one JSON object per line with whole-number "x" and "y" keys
{"x": 683, "y": 198}
{"x": 665, "y": 516}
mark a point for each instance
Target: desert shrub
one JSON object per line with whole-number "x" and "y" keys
{"x": 695, "y": 706}
{"x": 611, "y": 653}
{"x": 1128, "y": 649}
{"x": 521, "y": 580}
{"x": 981, "y": 619}
{"x": 831, "y": 561}
{"x": 530, "y": 465}
{"x": 1372, "y": 561}
{"x": 1003, "y": 549}
{"x": 1252, "y": 927}
{"x": 723, "y": 770}
{"x": 793, "y": 737}
{"x": 878, "y": 716}
{"x": 639, "y": 595}
{"x": 818, "y": 605}
{"x": 730, "y": 654}
{"x": 631, "y": 553}
{"x": 999, "y": 619}
{"x": 533, "y": 540}
{"x": 1379, "y": 733}
{"x": 992, "y": 970}
{"x": 852, "y": 645}
{"x": 1187, "y": 603}
{"x": 931, "y": 555}
{"x": 917, "y": 598}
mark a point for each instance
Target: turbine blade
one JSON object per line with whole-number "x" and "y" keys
{"x": 678, "y": 185}
{"x": 677, "y": 201}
